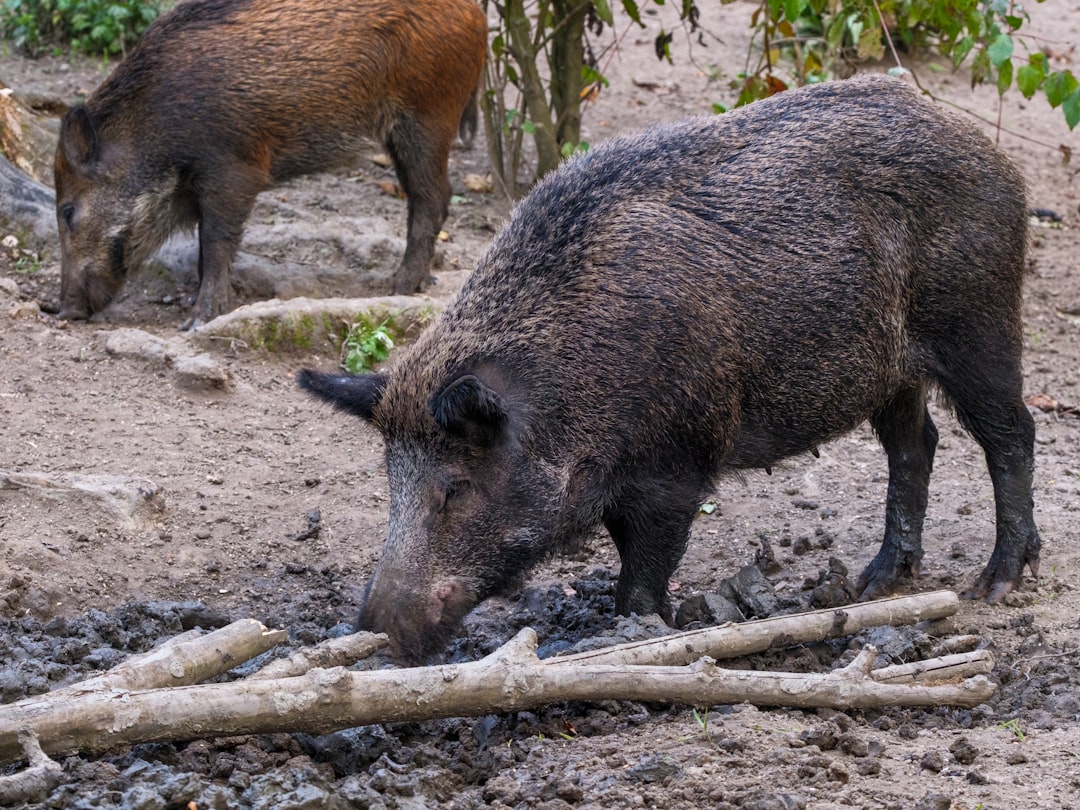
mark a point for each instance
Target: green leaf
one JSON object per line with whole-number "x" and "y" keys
{"x": 870, "y": 44}
{"x": 793, "y": 9}
{"x": 632, "y": 10}
{"x": 980, "y": 68}
{"x": 1071, "y": 107}
{"x": 1000, "y": 50}
{"x": 1005, "y": 77}
{"x": 1028, "y": 79}
{"x": 1059, "y": 86}
{"x": 603, "y": 11}
{"x": 962, "y": 49}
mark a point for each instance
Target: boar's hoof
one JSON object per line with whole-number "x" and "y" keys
{"x": 883, "y": 576}
{"x": 73, "y": 314}
{"x": 997, "y": 582}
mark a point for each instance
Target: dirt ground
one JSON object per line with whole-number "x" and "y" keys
{"x": 133, "y": 505}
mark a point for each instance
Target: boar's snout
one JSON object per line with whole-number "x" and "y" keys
{"x": 419, "y": 621}
{"x": 84, "y": 292}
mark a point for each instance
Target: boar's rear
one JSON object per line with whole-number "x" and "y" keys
{"x": 716, "y": 294}
{"x": 222, "y": 99}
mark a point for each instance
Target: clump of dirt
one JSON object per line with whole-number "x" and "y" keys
{"x": 134, "y": 505}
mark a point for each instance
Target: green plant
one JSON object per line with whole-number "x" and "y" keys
{"x": 803, "y": 41}
{"x": 548, "y": 58}
{"x": 365, "y": 345}
{"x": 91, "y": 26}
{"x": 27, "y": 264}
{"x": 546, "y": 62}
{"x": 1013, "y": 726}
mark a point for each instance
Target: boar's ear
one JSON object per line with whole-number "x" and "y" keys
{"x": 79, "y": 138}
{"x": 471, "y": 410}
{"x": 354, "y": 393}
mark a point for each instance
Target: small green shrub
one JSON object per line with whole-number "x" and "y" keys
{"x": 366, "y": 345}
{"x": 90, "y": 26}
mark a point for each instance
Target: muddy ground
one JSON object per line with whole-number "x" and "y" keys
{"x": 136, "y": 502}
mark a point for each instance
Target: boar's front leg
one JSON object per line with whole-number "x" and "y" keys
{"x": 221, "y": 225}
{"x": 651, "y": 530}
{"x": 909, "y": 437}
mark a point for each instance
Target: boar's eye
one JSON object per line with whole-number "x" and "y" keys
{"x": 67, "y": 213}
{"x": 453, "y": 489}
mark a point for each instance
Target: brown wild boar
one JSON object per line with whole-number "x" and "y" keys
{"x": 222, "y": 99}
{"x": 711, "y": 295}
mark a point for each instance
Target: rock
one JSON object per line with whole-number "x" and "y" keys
{"x": 706, "y": 610}
{"x": 139, "y": 344}
{"x": 200, "y": 371}
{"x": 306, "y": 324}
{"x": 932, "y": 761}
{"x": 963, "y": 751}
{"x": 132, "y": 503}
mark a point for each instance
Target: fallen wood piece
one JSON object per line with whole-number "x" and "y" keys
{"x": 510, "y": 679}
{"x": 186, "y": 659}
{"x": 746, "y": 638}
{"x": 334, "y": 652}
{"x": 933, "y": 670}
{"x": 956, "y": 644}
{"x": 34, "y": 783}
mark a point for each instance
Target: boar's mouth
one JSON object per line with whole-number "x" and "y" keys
{"x": 419, "y": 624}
{"x": 94, "y": 288}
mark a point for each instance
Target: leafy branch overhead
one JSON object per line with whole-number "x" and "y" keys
{"x": 793, "y": 42}
{"x": 813, "y": 40}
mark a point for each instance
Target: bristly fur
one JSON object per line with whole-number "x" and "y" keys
{"x": 222, "y": 99}
{"x": 710, "y": 295}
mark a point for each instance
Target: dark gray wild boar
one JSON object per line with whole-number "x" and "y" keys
{"x": 716, "y": 294}
{"x": 222, "y": 99}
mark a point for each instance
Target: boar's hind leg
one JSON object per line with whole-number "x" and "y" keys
{"x": 651, "y": 533}
{"x": 989, "y": 404}
{"x": 909, "y": 437}
{"x": 420, "y": 161}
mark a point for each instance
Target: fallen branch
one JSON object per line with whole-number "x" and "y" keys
{"x": 511, "y": 679}
{"x": 746, "y": 638}
{"x": 189, "y": 658}
{"x": 334, "y": 652}
{"x": 35, "y": 782}
{"x": 933, "y": 670}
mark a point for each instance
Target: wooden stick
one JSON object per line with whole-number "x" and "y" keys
{"x": 186, "y": 659}
{"x": 510, "y": 679}
{"x": 334, "y": 652}
{"x": 932, "y": 670}
{"x": 746, "y": 638}
{"x": 35, "y": 782}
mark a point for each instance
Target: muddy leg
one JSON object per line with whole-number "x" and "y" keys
{"x": 1002, "y": 425}
{"x": 420, "y": 161}
{"x": 651, "y": 534}
{"x": 909, "y": 437}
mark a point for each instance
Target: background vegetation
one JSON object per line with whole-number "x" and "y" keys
{"x": 90, "y": 26}
{"x": 548, "y": 56}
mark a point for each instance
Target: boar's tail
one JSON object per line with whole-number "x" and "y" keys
{"x": 469, "y": 119}
{"x": 353, "y": 393}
